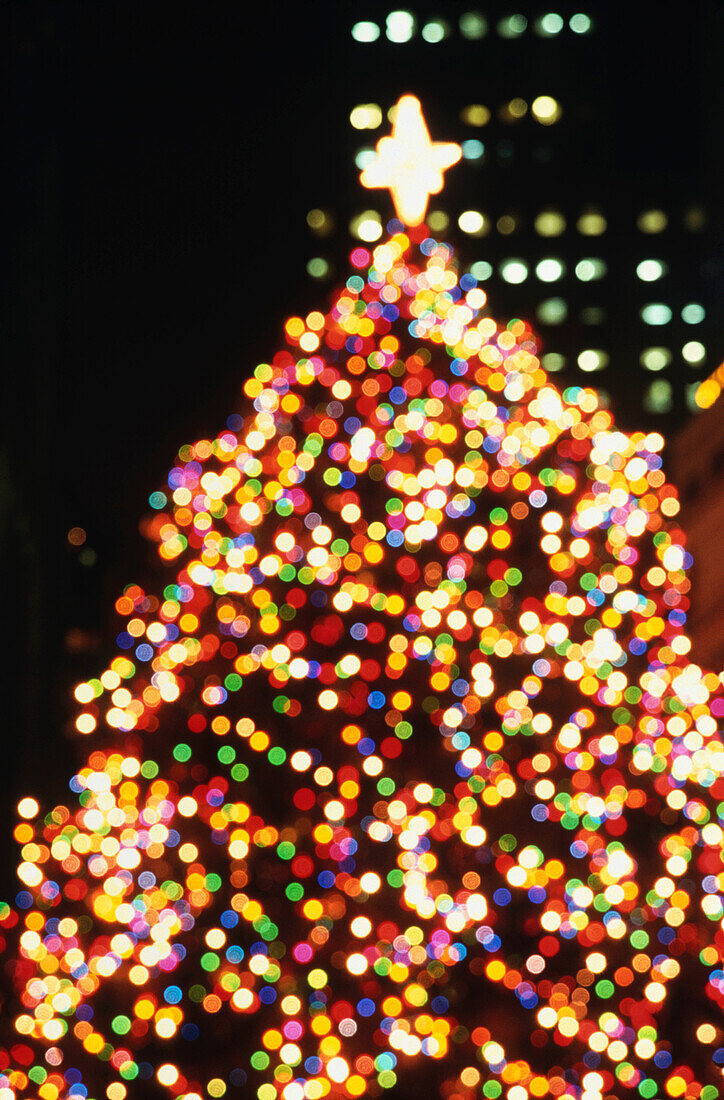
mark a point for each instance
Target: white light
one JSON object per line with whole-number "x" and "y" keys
{"x": 579, "y": 23}
{"x": 650, "y": 270}
{"x": 549, "y": 270}
{"x": 550, "y": 24}
{"x": 656, "y": 313}
{"x": 365, "y": 32}
{"x": 514, "y": 271}
{"x": 655, "y": 359}
{"x": 590, "y": 268}
{"x": 400, "y": 26}
{"x": 366, "y": 116}
{"x": 434, "y": 31}
{"x": 592, "y": 360}
{"x": 482, "y": 270}
{"x": 693, "y": 352}
{"x": 546, "y": 109}
{"x": 693, "y": 313}
{"x": 472, "y": 222}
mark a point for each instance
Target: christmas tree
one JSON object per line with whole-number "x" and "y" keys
{"x": 406, "y": 780}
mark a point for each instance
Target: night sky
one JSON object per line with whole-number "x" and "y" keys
{"x": 161, "y": 160}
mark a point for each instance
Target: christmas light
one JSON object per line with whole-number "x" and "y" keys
{"x": 406, "y": 778}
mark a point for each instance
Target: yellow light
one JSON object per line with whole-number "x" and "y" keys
{"x": 546, "y": 110}
{"x": 708, "y": 392}
{"x": 366, "y": 116}
{"x": 409, "y": 163}
{"x": 475, "y": 115}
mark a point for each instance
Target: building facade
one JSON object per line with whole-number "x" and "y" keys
{"x": 584, "y": 201}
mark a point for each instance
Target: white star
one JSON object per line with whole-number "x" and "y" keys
{"x": 409, "y": 163}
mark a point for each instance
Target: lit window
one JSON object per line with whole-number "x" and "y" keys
{"x": 366, "y": 226}
{"x": 400, "y": 26}
{"x": 473, "y": 223}
{"x": 482, "y": 270}
{"x": 656, "y": 313}
{"x": 553, "y": 311}
{"x": 693, "y": 313}
{"x": 550, "y": 223}
{"x": 549, "y": 270}
{"x": 475, "y": 115}
{"x": 650, "y": 270}
{"x": 652, "y": 221}
{"x": 512, "y": 26}
{"x": 438, "y": 221}
{"x": 473, "y": 25}
{"x": 473, "y": 149}
{"x": 590, "y": 268}
{"x": 592, "y": 359}
{"x": 318, "y": 267}
{"x": 593, "y": 315}
{"x": 658, "y": 398}
{"x": 517, "y": 108}
{"x": 365, "y": 32}
{"x": 546, "y": 110}
{"x": 694, "y": 352}
{"x": 591, "y": 224}
{"x": 554, "y": 361}
{"x": 514, "y": 271}
{"x": 506, "y": 225}
{"x": 366, "y": 116}
{"x": 320, "y": 222}
{"x": 363, "y": 158}
{"x": 435, "y": 31}
{"x": 655, "y": 359}
{"x": 691, "y": 403}
{"x": 580, "y": 23}
{"x": 549, "y": 24}
{"x": 694, "y": 219}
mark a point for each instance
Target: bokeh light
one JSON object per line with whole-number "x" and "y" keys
{"x": 405, "y": 774}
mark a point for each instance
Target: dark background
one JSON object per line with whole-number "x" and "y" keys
{"x": 160, "y": 161}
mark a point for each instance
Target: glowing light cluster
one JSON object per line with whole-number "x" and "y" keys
{"x": 407, "y": 774}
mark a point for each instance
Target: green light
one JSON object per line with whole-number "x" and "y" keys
{"x": 435, "y": 31}
{"x": 365, "y": 32}
{"x": 473, "y": 26}
{"x": 580, "y": 23}
{"x": 550, "y": 24}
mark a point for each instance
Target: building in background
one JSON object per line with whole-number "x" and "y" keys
{"x": 585, "y": 198}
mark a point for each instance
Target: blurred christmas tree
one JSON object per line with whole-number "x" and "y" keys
{"x": 406, "y": 781}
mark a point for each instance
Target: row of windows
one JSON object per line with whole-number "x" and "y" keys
{"x": 544, "y": 109}
{"x": 548, "y": 223}
{"x": 552, "y": 223}
{"x": 595, "y": 359}
{"x": 401, "y": 26}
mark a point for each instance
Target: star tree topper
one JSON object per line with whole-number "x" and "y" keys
{"x": 409, "y": 163}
